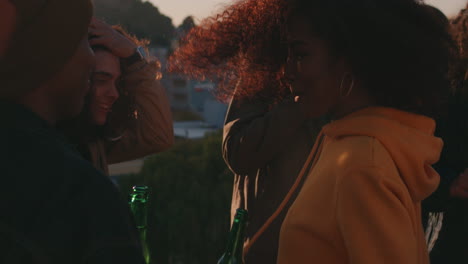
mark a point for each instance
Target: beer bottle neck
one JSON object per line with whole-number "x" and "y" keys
{"x": 236, "y": 237}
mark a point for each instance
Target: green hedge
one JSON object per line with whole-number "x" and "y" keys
{"x": 189, "y": 209}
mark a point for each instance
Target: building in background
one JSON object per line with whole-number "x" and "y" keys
{"x": 177, "y": 86}
{"x": 205, "y": 104}
{"x": 191, "y": 96}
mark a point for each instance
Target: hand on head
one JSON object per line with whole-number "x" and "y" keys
{"x": 103, "y": 34}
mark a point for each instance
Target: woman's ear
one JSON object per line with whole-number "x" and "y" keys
{"x": 7, "y": 24}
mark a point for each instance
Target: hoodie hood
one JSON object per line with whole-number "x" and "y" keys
{"x": 408, "y": 137}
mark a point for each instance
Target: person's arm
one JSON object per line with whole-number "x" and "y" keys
{"x": 439, "y": 200}
{"x": 459, "y": 187}
{"x": 375, "y": 225}
{"x": 451, "y": 187}
{"x": 20, "y": 249}
{"x": 111, "y": 233}
{"x": 153, "y": 131}
{"x": 253, "y": 134}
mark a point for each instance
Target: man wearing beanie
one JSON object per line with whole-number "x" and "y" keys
{"x": 54, "y": 206}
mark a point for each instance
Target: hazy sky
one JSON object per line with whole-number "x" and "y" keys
{"x": 179, "y": 9}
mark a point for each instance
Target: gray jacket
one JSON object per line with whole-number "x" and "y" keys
{"x": 265, "y": 148}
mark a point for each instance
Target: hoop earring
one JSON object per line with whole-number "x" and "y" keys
{"x": 350, "y": 89}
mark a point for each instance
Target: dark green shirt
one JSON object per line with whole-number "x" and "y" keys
{"x": 53, "y": 204}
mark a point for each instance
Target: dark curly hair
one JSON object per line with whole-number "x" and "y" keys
{"x": 460, "y": 34}
{"x": 454, "y": 127}
{"x": 401, "y": 50}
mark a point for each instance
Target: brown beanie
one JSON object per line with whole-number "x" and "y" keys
{"x": 46, "y": 37}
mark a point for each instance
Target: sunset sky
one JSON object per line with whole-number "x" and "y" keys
{"x": 179, "y": 9}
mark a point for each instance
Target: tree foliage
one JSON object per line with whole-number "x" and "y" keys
{"x": 187, "y": 24}
{"x": 141, "y": 18}
{"x": 189, "y": 215}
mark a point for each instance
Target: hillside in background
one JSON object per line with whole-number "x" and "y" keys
{"x": 141, "y": 18}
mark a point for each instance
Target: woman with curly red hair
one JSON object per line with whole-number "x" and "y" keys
{"x": 266, "y": 135}
{"x": 380, "y": 71}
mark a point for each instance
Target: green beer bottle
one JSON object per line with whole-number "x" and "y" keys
{"x": 138, "y": 206}
{"x": 235, "y": 247}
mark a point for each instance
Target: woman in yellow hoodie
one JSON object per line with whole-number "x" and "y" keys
{"x": 379, "y": 69}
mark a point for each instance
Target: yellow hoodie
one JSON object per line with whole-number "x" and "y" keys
{"x": 360, "y": 202}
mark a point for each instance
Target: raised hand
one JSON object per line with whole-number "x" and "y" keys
{"x": 103, "y": 34}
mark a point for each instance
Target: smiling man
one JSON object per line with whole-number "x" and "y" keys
{"x": 56, "y": 208}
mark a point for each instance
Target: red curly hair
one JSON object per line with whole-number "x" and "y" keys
{"x": 401, "y": 50}
{"x": 245, "y": 42}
